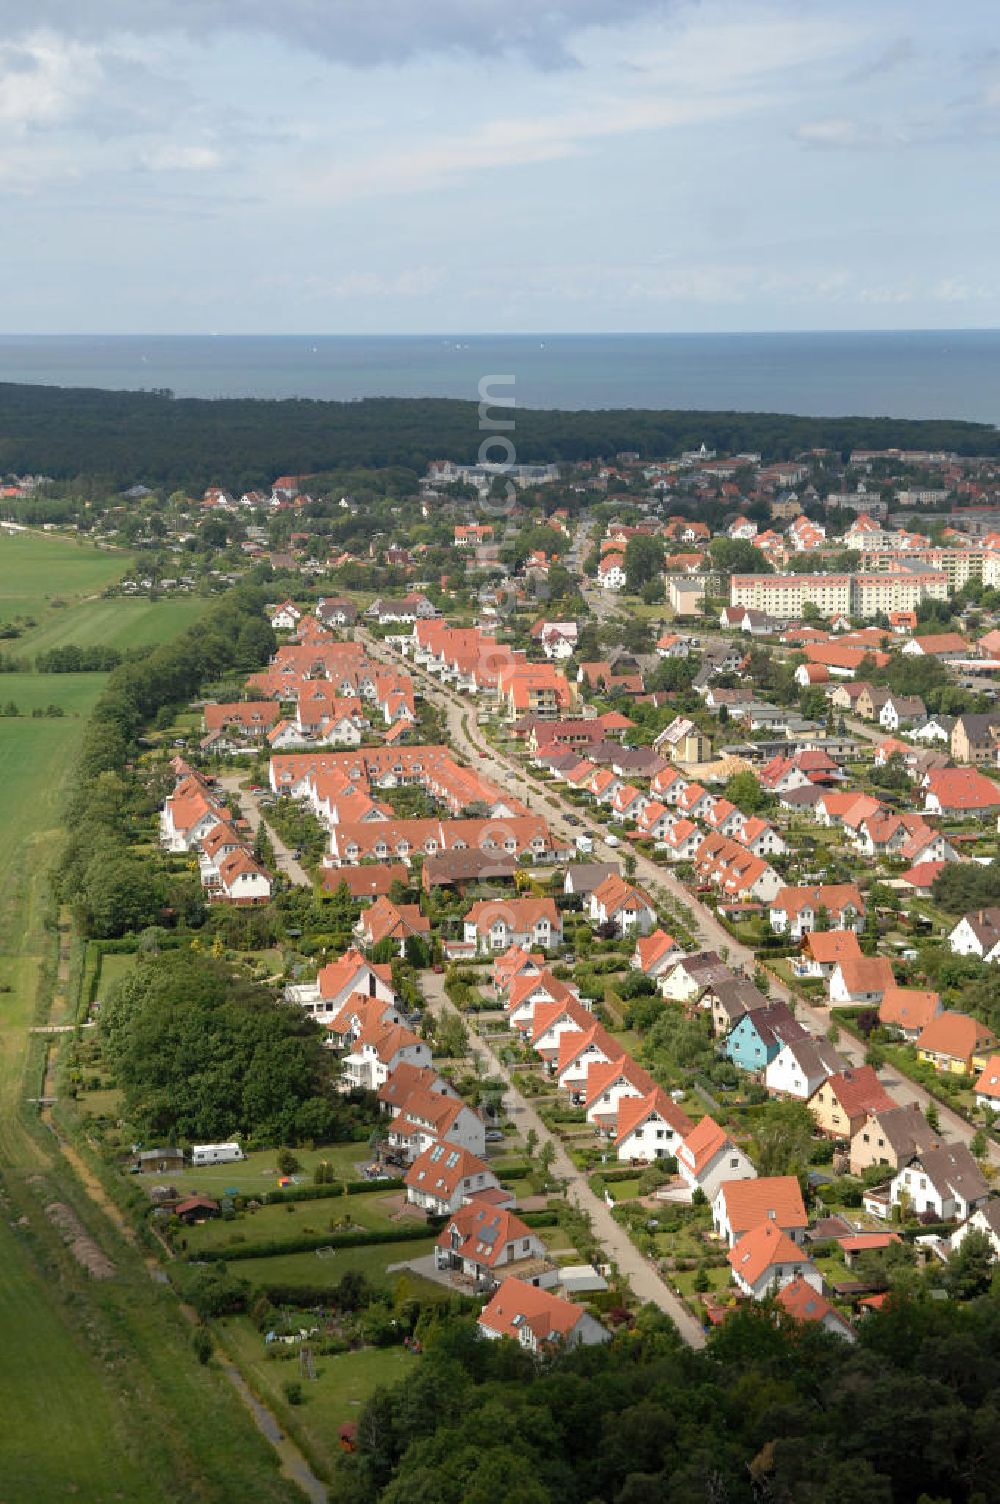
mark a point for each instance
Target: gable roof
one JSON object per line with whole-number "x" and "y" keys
{"x": 955, "y": 1034}
{"x": 909, "y": 1007}
{"x": 517, "y": 1304}
{"x": 769, "y": 1198}
{"x": 760, "y": 1250}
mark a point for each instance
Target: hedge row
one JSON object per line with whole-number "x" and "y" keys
{"x": 330, "y": 1189}
{"x": 364, "y": 1236}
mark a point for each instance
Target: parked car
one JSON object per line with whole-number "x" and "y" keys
{"x": 611, "y": 840}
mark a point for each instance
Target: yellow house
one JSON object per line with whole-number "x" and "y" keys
{"x": 956, "y": 1043}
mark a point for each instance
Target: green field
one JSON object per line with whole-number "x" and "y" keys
{"x": 100, "y": 1395}
{"x": 115, "y": 623}
{"x": 60, "y": 1431}
{"x": 258, "y": 1172}
{"x": 39, "y": 568}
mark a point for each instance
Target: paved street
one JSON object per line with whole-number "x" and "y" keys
{"x": 251, "y": 812}
{"x": 646, "y": 1283}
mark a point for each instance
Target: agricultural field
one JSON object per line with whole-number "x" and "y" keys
{"x": 53, "y": 1408}
{"x": 115, "y": 623}
{"x": 40, "y": 570}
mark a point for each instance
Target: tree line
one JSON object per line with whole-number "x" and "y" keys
{"x": 121, "y": 438}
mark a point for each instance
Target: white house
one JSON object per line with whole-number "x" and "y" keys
{"x": 766, "y": 1259}
{"x": 800, "y": 1067}
{"x": 649, "y": 1127}
{"x": 977, "y": 934}
{"x": 286, "y": 617}
{"x": 985, "y": 1219}
{"x": 739, "y": 1206}
{"x": 444, "y": 1177}
{"x": 537, "y": 1319}
{"x": 946, "y": 1181}
{"x": 708, "y": 1156}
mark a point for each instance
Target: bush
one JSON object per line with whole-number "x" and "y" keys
{"x": 202, "y": 1344}
{"x": 292, "y": 1391}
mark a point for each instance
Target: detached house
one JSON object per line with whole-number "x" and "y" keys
{"x": 496, "y": 924}
{"x": 892, "y": 1137}
{"x": 795, "y": 910}
{"x": 842, "y": 1103}
{"x": 987, "y": 1086}
{"x": 655, "y": 953}
{"x": 908, "y": 1010}
{"x": 945, "y": 1181}
{"x": 708, "y": 1156}
{"x": 488, "y": 1243}
{"x": 741, "y": 1205}
{"x": 956, "y": 1043}
{"x": 860, "y": 980}
{"x": 444, "y": 1177}
{"x": 758, "y": 1037}
{"x": 765, "y": 1259}
{"x": 538, "y": 1320}
{"x": 623, "y": 905}
{"x": 977, "y": 934}
{"x": 650, "y": 1127}
{"x": 800, "y": 1068}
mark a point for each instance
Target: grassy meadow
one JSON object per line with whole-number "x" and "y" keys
{"x": 40, "y": 570}
{"x": 100, "y": 1395}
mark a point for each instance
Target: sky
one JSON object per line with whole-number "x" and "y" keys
{"x": 410, "y": 166}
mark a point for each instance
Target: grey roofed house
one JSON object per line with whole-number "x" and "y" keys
{"x": 906, "y": 1131}
{"x": 336, "y": 608}
{"x": 581, "y": 1279}
{"x": 584, "y": 877}
{"x": 952, "y": 1167}
{"x": 816, "y": 1056}
{"x": 934, "y": 727}
{"x": 729, "y": 999}
{"x": 637, "y": 762}
{"x": 559, "y": 762}
{"x": 806, "y": 797}
{"x": 985, "y": 925}
{"x": 776, "y": 1024}
{"x": 909, "y": 707}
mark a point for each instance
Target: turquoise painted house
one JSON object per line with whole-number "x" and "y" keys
{"x": 756, "y": 1039}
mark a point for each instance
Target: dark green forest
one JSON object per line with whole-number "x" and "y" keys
{"x": 122, "y": 438}
{"x": 770, "y": 1413}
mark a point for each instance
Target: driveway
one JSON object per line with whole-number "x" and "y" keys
{"x": 251, "y": 811}
{"x": 646, "y": 1283}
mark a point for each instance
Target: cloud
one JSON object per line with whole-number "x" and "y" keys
{"x": 176, "y": 158}
{"x": 359, "y": 32}
{"x": 838, "y": 132}
{"x": 43, "y": 80}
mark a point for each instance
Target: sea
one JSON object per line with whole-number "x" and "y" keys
{"x": 915, "y": 374}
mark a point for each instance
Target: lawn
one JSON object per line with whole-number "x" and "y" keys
{"x": 296, "y": 1219}
{"x": 258, "y": 1172}
{"x": 39, "y": 569}
{"x": 341, "y": 1386}
{"x": 329, "y": 1269}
